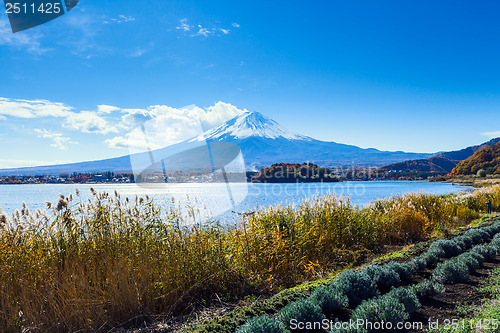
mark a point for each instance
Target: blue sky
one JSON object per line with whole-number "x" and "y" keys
{"x": 417, "y": 76}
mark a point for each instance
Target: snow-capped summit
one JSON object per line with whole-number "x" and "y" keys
{"x": 249, "y": 125}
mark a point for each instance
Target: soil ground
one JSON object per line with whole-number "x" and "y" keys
{"x": 444, "y": 306}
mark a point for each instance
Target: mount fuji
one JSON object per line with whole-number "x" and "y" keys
{"x": 262, "y": 142}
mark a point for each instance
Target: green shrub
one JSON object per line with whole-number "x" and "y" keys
{"x": 419, "y": 264}
{"x": 407, "y": 297}
{"x": 427, "y": 288}
{"x": 465, "y": 242}
{"x": 446, "y": 246}
{"x": 357, "y": 286}
{"x": 302, "y": 311}
{"x": 477, "y": 236}
{"x": 430, "y": 258}
{"x": 386, "y": 309}
{"x": 484, "y": 250}
{"x": 453, "y": 270}
{"x": 471, "y": 261}
{"x": 262, "y": 324}
{"x": 405, "y": 271}
{"x": 438, "y": 252}
{"x": 493, "y": 229}
{"x": 329, "y": 299}
{"x": 495, "y": 243}
{"x": 384, "y": 277}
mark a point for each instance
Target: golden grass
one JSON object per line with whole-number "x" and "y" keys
{"x": 109, "y": 262}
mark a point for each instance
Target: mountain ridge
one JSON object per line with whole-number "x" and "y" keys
{"x": 486, "y": 158}
{"x": 441, "y": 163}
{"x": 262, "y": 142}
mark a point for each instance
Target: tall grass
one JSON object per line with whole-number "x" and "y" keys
{"x": 107, "y": 262}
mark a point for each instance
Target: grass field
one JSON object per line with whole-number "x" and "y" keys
{"x": 91, "y": 266}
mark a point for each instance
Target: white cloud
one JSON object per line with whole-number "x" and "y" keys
{"x": 236, "y": 25}
{"x": 29, "y": 41}
{"x": 21, "y": 108}
{"x": 184, "y": 26}
{"x": 12, "y": 164}
{"x": 167, "y": 125}
{"x": 200, "y": 30}
{"x": 215, "y": 115}
{"x": 203, "y": 31}
{"x": 119, "y": 19}
{"x": 3, "y": 118}
{"x": 118, "y": 142}
{"x": 107, "y": 109}
{"x": 89, "y": 122}
{"x": 492, "y": 135}
{"x": 59, "y": 140}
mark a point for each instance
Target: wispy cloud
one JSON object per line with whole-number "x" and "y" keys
{"x": 184, "y": 26}
{"x": 21, "y": 108}
{"x": 119, "y": 19}
{"x": 59, "y": 141}
{"x": 236, "y": 25}
{"x": 28, "y": 41}
{"x": 491, "y": 135}
{"x": 194, "y": 30}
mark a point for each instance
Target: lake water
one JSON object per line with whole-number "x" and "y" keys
{"x": 222, "y": 200}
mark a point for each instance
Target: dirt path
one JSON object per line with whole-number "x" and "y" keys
{"x": 443, "y": 307}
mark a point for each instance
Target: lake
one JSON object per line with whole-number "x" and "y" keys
{"x": 222, "y": 200}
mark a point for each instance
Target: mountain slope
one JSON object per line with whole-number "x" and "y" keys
{"x": 262, "y": 141}
{"x": 442, "y": 163}
{"x": 487, "y": 158}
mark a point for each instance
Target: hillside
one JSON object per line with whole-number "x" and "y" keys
{"x": 487, "y": 158}
{"x": 439, "y": 164}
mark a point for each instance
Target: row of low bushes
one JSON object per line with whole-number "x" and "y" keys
{"x": 94, "y": 265}
{"x": 359, "y": 289}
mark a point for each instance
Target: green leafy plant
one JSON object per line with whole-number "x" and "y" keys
{"x": 427, "y": 288}
{"x": 447, "y": 247}
{"x": 405, "y": 271}
{"x": 262, "y": 324}
{"x": 304, "y": 311}
{"x": 453, "y": 270}
{"x": 357, "y": 286}
{"x": 329, "y": 299}
{"x": 484, "y": 250}
{"x": 407, "y": 297}
{"x": 384, "y": 277}
{"x": 430, "y": 258}
{"x": 386, "y": 309}
{"x": 465, "y": 242}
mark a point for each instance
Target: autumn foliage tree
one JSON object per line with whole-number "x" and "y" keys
{"x": 487, "y": 159}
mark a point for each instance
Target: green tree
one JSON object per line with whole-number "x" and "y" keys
{"x": 481, "y": 173}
